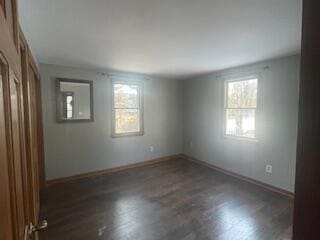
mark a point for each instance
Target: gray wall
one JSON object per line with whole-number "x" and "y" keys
{"x": 180, "y": 116}
{"x": 74, "y": 148}
{"x": 276, "y": 122}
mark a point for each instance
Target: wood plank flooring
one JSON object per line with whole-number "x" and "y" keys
{"x": 172, "y": 200}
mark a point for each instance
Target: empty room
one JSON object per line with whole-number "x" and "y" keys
{"x": 150, "y": 120}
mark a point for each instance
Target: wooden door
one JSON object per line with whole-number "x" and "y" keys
{"x": 307, "y": 190}
{"x": 13, "y": 155}
{"x": 19, "y": 147}
{"x": 12, "y": 207}
{"x": 31, "y": 179}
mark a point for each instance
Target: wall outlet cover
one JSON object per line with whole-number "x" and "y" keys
{"x": 151, "y": 148}
{"x": 268, "y": 168}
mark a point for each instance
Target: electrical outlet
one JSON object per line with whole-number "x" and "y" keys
{"x": 151, "y": 148}
{"x": 268, "y": 168}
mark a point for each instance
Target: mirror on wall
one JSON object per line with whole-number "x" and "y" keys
{"x": 74, "y": 100}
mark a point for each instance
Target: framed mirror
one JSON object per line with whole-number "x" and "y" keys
{"x": 74, "y": 100}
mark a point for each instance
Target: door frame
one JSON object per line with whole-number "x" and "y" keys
{"x": 307, "y": 193}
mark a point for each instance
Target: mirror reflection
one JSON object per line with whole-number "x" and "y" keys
{"x": 74, "y": 100}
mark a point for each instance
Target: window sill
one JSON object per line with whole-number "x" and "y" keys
{"x": 241, "y": 139}
{"x": 121, "y": 135}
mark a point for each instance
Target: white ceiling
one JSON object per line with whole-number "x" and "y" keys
{"x": 170, "y": 38}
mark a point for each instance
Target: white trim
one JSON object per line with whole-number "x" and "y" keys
{"x": 128, "y": 81}
{"x": 227, "y": 80}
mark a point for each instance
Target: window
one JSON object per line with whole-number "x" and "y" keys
{"x": 127, "y": 112}
{"x": 240, "y": 108}
{"x": 68, "y": 104}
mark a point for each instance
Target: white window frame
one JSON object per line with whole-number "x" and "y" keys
{"x": 225, "y": 93}
{"x": 141, "y": 117}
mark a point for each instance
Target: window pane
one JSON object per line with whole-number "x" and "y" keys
{"x": 69, "y": 103}
{"x": 69, "y": 113}
{"x": 126, "y": 96}
{"x": 241, "y": 122}
{"x": 242, "y": 94}
{"x": 69, "y": 99}
{"x": 127, "y": 120}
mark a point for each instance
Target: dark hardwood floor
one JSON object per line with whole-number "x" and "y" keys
{"x": 174, "y": 200}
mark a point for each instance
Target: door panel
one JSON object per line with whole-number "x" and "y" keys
{"x": 6, "y": 230}
{"x": 12, "y": 209}
{"x": 10, "y": 11}
{"x": 41, "y": 166}
{"x": 26, "y": 182}
{"x": 33, "y": 144}
{"x": 2, "y": 5}
{"x": 8, "y": 47}
{"x": 34, "y": 124}
{"x": 17, "y": 153}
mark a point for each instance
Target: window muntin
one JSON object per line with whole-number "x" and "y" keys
{"x": 240, "y": 108}
{"x": 68, "y": 104}
{"x": 127, "y": 108}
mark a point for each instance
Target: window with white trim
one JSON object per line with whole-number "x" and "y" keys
{"x": 127, "y": 112}
{"x": 240, "y": 108}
